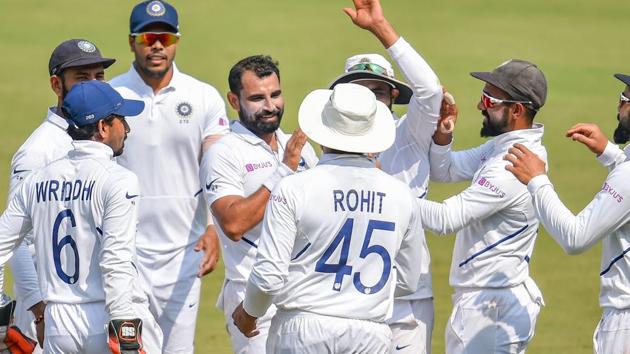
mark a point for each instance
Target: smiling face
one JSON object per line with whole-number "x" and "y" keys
{"x": 259, "y": 103}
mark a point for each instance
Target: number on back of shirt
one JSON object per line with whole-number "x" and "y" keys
{"x": 341, "y": 268}
{"x": 58, "y": 246}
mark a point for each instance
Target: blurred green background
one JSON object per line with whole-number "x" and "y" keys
{"x": 578, "y": 44}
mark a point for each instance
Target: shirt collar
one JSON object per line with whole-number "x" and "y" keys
{"x": 143, "y": 87}
{"x": 346, "y": 160}
{"x": 90, "y": 149}
{"x": 242, "y": 132}
{"x": 56, "y": 119}
{"x": 528, "y": 136}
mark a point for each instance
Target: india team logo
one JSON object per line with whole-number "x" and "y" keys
{"x": 86, "y": 46}
{"x": 184, "y": 110}
{"x": 156, "y": 8}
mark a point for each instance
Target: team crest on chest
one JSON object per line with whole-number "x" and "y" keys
{"x": 184, "y": 111}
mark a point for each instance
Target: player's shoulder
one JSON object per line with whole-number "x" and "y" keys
{"x": 196, "y": 83}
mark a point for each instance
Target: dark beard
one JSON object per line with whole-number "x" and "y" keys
{"x": 254, "y": 124}
{"x": 622, "y": 133}
{"x": 490, "y": 128}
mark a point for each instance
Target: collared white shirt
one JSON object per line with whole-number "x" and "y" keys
{"x": 238, "y": 164}
{"x": 408, "y": 158}
{"x": 164, "y": 150}
{"x": 337, "y": 240}
{"x": 605, "y": 218}
{"x": 47, "y": 143}
{"x": 82, "y": 210}
{"x": 494, "y": 218}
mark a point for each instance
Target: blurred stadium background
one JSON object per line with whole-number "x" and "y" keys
{"x": 578, "y": 44}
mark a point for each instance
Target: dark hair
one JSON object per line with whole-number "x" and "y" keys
{"x": 87, "y": 132}
{"x": 261, "y": 65}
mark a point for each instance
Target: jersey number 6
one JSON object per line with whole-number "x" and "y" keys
{"x": 341, "y": 269}
{"x": 57, "y": 246}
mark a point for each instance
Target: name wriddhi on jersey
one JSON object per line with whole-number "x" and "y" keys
{"x": 364, "y": 201}
{"x": 53, "y": 190}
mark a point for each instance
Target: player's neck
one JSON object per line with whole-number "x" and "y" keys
{"x": 156, "y": 83}
{"x": 270, "y": 139}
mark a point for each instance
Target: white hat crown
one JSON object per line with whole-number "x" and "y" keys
{"x": 351, "y": 110}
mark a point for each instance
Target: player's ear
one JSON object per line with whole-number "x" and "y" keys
{"x": 131, "y": 42}
{"x": 395, "y": 94}
{"x": 233, "y": 100}
{"x": 56, "y": 85}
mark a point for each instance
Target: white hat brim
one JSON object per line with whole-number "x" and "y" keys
{"x": 377, "y": 139}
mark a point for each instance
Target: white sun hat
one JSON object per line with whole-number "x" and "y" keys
{"x": 347, "y": 118}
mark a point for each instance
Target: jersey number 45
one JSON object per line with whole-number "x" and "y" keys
{"x": 341, "y": 269}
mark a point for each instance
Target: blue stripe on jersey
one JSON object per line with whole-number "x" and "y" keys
{"x": 99, "y": 231}
{"x": 493, "y": 246}
{"x": 527, "y": 259}
{"x": 614, "y": 261}
{"x": 249, "y": 242}
{"x": 198, "y": 192}
{"x": 423, "y": 194}
{"x": 302, "y": 251}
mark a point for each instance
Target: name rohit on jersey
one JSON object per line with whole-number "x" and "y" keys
{"x": 364, "y": 201}
{"x": 64, "y": 191}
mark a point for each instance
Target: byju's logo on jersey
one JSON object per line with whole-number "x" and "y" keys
{"x": 251, "y": 167}
{"x": 156, "y": 8}
{"x": 184, "y": 111}
{"x": 493, "y": 188}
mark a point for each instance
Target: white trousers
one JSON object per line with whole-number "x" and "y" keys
{"x": 492, "y": 321}
{"x": 612, "y": 335}
{"x": 412, "y": 326}
{"x": 296, "y": 332}
{"x": 174, "y": 290}
{"x": 80, "y": 328}
{"x": 233, "y": 294}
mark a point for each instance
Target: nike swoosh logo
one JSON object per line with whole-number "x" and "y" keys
{"x": 403, "y": 347}
{"x": 191, "y": 305}
{"x": 16, "y": 171}
{"x": 208, "y": 185}
{"x": 128, "y": 196}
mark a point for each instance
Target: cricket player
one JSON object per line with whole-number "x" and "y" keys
{"x": 72, "y": 61}
{"x": 83, "y": 211}
{"x": 496, "y": 303}
{"x": 183, "y": 116}
{"x": 339, "y": 240}
{"x": 605, "y": 218}
{"x": 408, "y": 158}
{"x": 241, "y": 170}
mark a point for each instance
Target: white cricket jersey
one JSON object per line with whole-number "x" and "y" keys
{"x": 238, "y": 164}
{"x": 164, "y": 150}
{"x": 337, "y": 240}
{"x": 408, "y": 158}
{"x": 47, "y": 143}
{"x": 605, "y": 218}
{"x": 83, "y": 213}
{"x": 494, "y": 218}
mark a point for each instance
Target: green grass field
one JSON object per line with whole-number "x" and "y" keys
{"x": 578, "y": 44}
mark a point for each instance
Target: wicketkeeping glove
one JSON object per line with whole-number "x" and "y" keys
{"x": 13, "y": 341}
{"x": 125, "y": 336}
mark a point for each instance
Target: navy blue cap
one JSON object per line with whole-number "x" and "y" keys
{"x": 624, "y": 78}
{"x": 93, "y": 100}
{"x": 153, "y": 11}
{"x": 74, "y": 53}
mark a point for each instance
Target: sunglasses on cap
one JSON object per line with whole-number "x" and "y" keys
{"x": 149, "y": 38}
{"x": 489, "y": 101}
{"x": 623, "y": 98}
{"x": 375, "y": 68}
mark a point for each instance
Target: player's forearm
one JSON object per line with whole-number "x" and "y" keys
{"x": 117, "y": 278}
{"x": 243, "y": 214}
{"x": 27, "y": 282}
{"x": 256, "y": 301}
{"x": 612, "y": 156}
{"x": 417, "y": 72}
{"x": 575, "y": 234}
